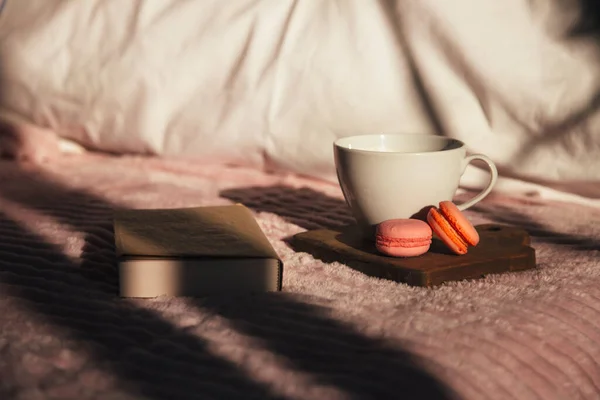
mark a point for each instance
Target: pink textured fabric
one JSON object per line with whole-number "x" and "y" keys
{"x": 332, "y": 334}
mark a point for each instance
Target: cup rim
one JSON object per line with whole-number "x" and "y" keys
{"x": 340, "y": 146}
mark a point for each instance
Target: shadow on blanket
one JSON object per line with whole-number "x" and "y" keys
{"x": 333, "y": 213}
{"x": 330, "y": 351}
{"x": 153, "y": 357}
{"x": 149, "y": 354}
{"x": 291, "y": 203}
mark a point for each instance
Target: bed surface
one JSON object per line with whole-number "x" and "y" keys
{"x": 332, "y": 333}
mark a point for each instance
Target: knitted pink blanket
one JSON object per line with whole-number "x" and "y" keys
{"x": 332, "y": 334}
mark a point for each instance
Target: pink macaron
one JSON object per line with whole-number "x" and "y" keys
{"x": 403, "y": 237}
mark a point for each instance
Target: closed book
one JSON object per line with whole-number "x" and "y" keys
{"x": 196, "y": 251}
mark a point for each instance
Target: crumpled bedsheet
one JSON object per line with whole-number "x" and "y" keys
{"x": 271, "y": 83}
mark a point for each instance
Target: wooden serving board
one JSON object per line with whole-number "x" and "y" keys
{"x": 501, "y": 249}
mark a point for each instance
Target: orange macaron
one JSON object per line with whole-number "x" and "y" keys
{"x": 452, "y": 227}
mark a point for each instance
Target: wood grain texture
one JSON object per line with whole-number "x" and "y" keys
{"x": 501, "y": 249}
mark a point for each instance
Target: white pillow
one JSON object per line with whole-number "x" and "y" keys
{"x": 233, "y": 80}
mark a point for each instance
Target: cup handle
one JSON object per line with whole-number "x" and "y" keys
{"x": 491, "y": 183}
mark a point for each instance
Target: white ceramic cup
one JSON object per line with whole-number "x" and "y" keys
{"x": 388, "y": 176}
